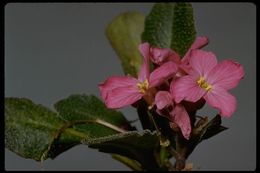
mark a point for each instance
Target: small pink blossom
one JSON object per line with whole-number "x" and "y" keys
{"x": 210, "y": 80}
{"x": 118, "y": 92}
{"x": 177, "y": 113}
{"x": 160, "y": 56}
{"x": 163, "y": 99}
{"x": 199, "y": 43}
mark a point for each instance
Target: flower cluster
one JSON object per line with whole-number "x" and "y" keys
{"x": 173, "y": 81}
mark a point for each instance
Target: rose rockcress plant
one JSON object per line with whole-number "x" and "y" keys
{"x": 173, "y": 83}
{"x": 168, "y": 79}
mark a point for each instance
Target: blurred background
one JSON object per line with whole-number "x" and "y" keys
{"x": 53, "y": 50}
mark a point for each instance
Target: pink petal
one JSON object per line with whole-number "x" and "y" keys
{"x": 202, "y": 62}
{"x": 184, "y": 69}
{"x": 185, "y": 66}
{"x": 200, "y": 42}
{"x": 162, "y": 73}
{"x": 144, "y": 48}
{"x": 186, "y": 88}
{"x": 226, "y": 74}
{"x": 159, "y": 55}
{"x": 197, "y": 44}
{"x": 222, "y": 100}
{"x": 116, "y": 82}
{"x": 122, "y": 96}
{"x": 163, "y": 99}
{"x": 180, "y": 116}
{"x": 175, "y": 57}
{"x": 162, "y": 55}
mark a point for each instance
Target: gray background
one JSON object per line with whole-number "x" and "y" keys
{"x": 53, "y": 50}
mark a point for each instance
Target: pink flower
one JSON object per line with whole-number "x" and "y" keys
{"x": 197, "y": 44}
{"x": 162, "y": 55}
{"x": 209, "y": 80}
{"x": 177, "y": 113}
{"x": 118, "y": 92}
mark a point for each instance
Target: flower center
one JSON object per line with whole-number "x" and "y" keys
{"x": 143, "y": 86}
{"x": 203, "y": 84}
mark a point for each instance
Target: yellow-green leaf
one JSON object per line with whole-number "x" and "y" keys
{"x": 124, "y": 34}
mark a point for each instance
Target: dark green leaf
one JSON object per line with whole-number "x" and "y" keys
{"x": 205, "y": 129}
{"x": 133, "y": 164}
{"x": 131, "y": 144}
{"x": 143, "y": 140}
{"x": 170, "y": 25}
{"x": 183, "y": 28}
{"x": 33, "y": 131}
{"x": 158, "y": 25}
{"x": 124, "y": 34}
{"x": 135, "y": 145}
{"x": 92, "y": 116}
{"x": 214, "y": 127}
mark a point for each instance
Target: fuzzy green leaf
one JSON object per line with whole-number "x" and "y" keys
{"x": 205, "y": 129}
{"x": 124, "y": 34}
{"x": 33, "y": 131}
{"x": 213, "y": 127}
{"x": 133, "y": 164}
{"x": 183, "y": 28}
{"x": 93, "y": 116}
{"x": 134, "y": 145}
{"x": 158, "y": 25}
{"x": 108, "y": 133}
{"x": 170, "y": 25}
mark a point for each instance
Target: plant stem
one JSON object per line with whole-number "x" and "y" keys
{"x": 134, "y": 165}
{"x": 67, "y": 125}
{"x": 153, "y": 121}
{"x": 143, "y": 116}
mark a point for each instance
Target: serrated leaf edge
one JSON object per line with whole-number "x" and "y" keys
{"x": 117, "y": 136}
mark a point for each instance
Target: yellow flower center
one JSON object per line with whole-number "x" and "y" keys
{"x": 143, "y": 86}
{"x": 203, "y": 84}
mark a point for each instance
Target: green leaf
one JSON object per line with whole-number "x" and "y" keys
{"x": 205, "y": 129}
{"x": 213, "y": 127}
{"x": 170, "y": 25}
{"x": 107, "y": 133}
{"x": 183, "y": 28}
{"x": 143, "y": 140}
{"x": 92, "y": 116}
{"x": 133, "y": 164}
{"x": 134, "y": 145}
{"x": 33, "y": 131}
{"x": 124, "y": 34}
{"x": 158, "y": 25}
